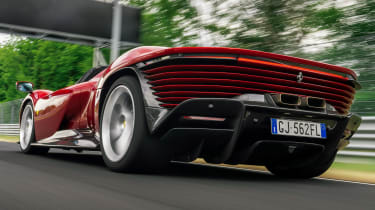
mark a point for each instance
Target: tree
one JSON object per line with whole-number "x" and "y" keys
{"x": 49, "y": 65}
{"x": 167, "y": 22}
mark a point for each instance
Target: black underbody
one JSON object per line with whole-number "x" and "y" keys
{"x": 245, "y": 135}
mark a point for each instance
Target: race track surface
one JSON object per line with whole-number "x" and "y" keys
{"x": 69, "y": 180}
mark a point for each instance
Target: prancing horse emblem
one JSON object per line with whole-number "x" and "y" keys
{"x": 299, "y": 77}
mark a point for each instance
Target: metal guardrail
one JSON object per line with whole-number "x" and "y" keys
{"x": 362, "y": 144}
{"x": 9, "y": 129}
{"x": 9, "y": 117}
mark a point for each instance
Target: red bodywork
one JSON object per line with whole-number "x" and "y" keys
{"x": 77, "y": 106}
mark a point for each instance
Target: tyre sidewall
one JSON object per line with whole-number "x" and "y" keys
{"x": 32, "y": 138}
{"x": 140, "y": 133}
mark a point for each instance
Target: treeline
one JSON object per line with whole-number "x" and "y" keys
{"x": 49, "y": 65}
{"x": 324, "y": 30}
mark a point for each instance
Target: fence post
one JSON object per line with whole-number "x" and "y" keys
{"x": 1, "y": 114}
{"x": 12, "y": 114}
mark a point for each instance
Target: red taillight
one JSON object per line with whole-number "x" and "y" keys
{"x": 203, "y": 118}
{"x": 210, "y": 57}
{"x": 296, "y": 68}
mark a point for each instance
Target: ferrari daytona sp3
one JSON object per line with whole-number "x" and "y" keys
{"x": 154, "y": 104}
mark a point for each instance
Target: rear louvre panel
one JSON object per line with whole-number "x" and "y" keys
{"x": 196, "y": 77}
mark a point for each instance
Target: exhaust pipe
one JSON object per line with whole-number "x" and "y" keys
{"x": 287, "y": 99}
{"x": 313, "y": 102}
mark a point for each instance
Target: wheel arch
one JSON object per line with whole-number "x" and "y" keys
{"x": 23, "y": 105}
{"x": 110, "y": 80}
{"x": 150, "y": 102}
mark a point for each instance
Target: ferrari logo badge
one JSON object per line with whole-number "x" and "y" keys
{"x": 299, "y": 77}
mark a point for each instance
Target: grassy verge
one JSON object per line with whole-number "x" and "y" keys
{"x": 365, "y": 166}
{"x": 352, "y": 171}
{"x": 9, "y": 138}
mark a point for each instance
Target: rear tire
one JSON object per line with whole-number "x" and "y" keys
{"x": 126, "y": 142}
{"x": 27, "y": 132}
{"x": 310, "y": 170}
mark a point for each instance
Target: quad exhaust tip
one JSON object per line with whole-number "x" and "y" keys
{"x": 287, "y": 99}
{"x": 295, "y": 100}
{"x": 313, "y": 102}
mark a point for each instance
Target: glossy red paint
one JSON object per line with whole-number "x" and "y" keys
{"x": 64, "y": 109}
{"x": 293, "y": 69}
{"x": 132, "y": 56}
{"x": 145, "y": 53}
{"x": 167, "y": 77}
{"x": 211, "y": 57}
{"x": 33, "y": 97}
{"x": 259, "y": 85}
{"x": 49, "y": 112}
{"x": 37, "y": 94}
{"x": 156, "y": 73}
{"x": 87, "y": 120}
{"x": 249, "y": 79}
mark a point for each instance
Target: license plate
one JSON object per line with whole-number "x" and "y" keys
{"x": 298, "y": 128}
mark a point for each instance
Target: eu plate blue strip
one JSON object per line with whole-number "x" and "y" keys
{"x": 323, "y": 130}
{"x": 274, "y": 126}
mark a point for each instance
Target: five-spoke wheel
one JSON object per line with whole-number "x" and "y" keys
{"x": 126, "y": 142}
{"x": 27, "y": 134}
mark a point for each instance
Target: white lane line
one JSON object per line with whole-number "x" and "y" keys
{"x": 345, "y": 181}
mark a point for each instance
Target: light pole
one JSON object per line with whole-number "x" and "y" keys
{"x": 116, "y": 30}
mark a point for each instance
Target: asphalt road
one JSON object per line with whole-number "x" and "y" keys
{"x": 69, "y": 180}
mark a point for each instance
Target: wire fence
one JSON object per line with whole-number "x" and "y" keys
{"x": 9, "y": 112}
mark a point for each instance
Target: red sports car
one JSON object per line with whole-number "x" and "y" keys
{"x": 226, "y": 105}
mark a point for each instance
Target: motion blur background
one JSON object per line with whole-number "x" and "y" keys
{"x": 339, "y": 32}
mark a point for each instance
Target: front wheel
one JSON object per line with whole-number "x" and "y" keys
{"x": 126, "y": 143}
{"x": 27, "y": 132}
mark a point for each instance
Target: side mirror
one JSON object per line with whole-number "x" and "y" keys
{"x": 25, "y": 86}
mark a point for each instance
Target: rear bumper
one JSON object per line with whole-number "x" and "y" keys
{"x": 245, "y": 134}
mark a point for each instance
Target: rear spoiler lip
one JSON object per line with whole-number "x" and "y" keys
{"x": 224, "y": 50}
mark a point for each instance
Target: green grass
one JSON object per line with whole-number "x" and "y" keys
{"x": 9, "y": 138}
{"x": 357, "y": 164}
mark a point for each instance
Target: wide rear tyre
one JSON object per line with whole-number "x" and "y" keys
{"x": 126, "y": 143}
{"x": 310, "y": 170}
{"x": 27, "y": 132}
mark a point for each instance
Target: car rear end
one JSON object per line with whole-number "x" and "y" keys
{"x": 241, "y": 106}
